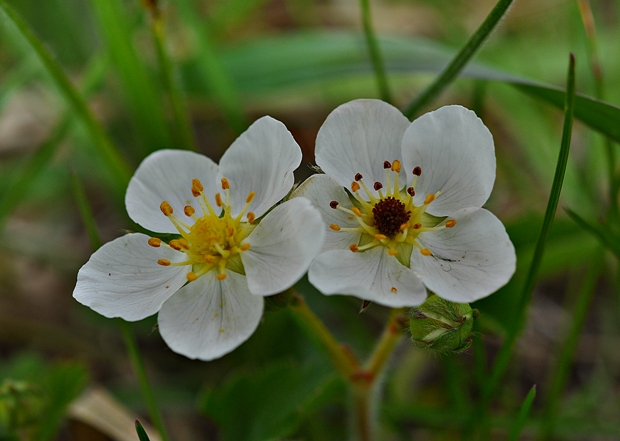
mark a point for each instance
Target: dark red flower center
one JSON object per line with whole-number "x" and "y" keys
{"x": 389, "y": 214}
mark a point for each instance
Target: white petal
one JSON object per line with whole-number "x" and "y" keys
{"x": 321, "y": 190}
{"x": 123, "y": 278}
{"x": 470, "y": 261}
{"x": 262, "y": 160}
{"x": 166, "y": 175}
{"x": 372, "y": 275}
{"x": 282, "y": 247}
{"x": 208, "y": 318}
{"x": 358, "y": 137}
{"x": 456, "y": 153}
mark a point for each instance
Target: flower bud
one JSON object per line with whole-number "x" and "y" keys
{"x": 442, "y": 325}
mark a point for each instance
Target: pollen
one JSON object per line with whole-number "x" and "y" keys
{"x": 417, "y": 171}
{"x": 175, "y": 245}
{"x": 334, "y": 227}
{"x": 333, "y": 204}
{"x": 197, "y": 187}
{"x": 166, "y": 208}
{"x": 251, "y": 217}
{"x": 392, "y": 252}
{"x": 429, "y": 198}
{"x": 396, "y": 166}
{"x": 355, "y": 187}
{"x": 220, "y": 277}
{"x": 250, "y": 197}
{"x": 417, "y": 226}
{"x": 450, "y": 223}
{"x": 189, "y": 210}
{"x": 163, "y": 262}
{"x": 245, "y": 247}
{"x": 358, "y": 177}
{"x": 353, "y": 247}
{"x": 225, "y": 184}
{"x": 411, "y": 191}
{"x": 386, "y": 165}
{"x": 377, "y": 186}
{"x": 155, "y": 242}
{"x": 394, "y": 290}
{"x": 218, "y": 200}
{"x": 380, "y": 236}
{"x": 426, "y": 252}
{"x": 357, "y": 211}
{"x": 191, "y": 276}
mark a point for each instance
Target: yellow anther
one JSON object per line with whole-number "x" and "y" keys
{"x": 450, "y": 223}
{"x": 250, "y": 197}
{"x": 214, "y": 239}
{"x": 334, "y": 227}
{"x": 191, "y": 276}
{"x": 175, "y": 245}
{"x": 218, "y": 200}
{"x": 197, "y": 187}
{"x": 392, "y": 252}
{"x": 357, "y": 211}
{"x": 251, "y": 217}
{"x": 380, "y": 236}
{"x": 220, "y": 277}
{"x": 417, "y": 226}
{"x": 166, "y": 208}
{"x": 396, "y": 166}
{"x": 225, "y": 184}
{"x": 394, "y": 290}
{"x": 155, "y": 242}
{"x": 426, "y": 252}
{"x": 353, "y": 247}
{"x": 210, "y": 259}
{"x": 164, "y": 262}
{"x": 355, "y": 186}
{"x": 245, "y": 247}
{"x": 429, "y": 198}
{"x": 404, "y": 226}
{"x": 189, "y": 211}
{"x": 230, "y": 232}
{"x": 183, "y": 243}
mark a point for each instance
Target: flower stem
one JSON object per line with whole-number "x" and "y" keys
{"x": 375, "y": 54}
{"x": 388, "y": 341}
{"x": 344, "y": 361}
{"x": 140, "y": 371}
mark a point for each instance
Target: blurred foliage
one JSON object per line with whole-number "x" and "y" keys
{"x": 236, "y": 60}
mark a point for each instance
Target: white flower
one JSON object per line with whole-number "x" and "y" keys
{"x": 411, "y": 213}
{"x": 231, "y": 250}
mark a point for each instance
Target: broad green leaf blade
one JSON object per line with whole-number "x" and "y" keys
{"x": 145, "y": 103}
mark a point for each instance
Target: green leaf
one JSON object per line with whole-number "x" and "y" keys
{"x": 269, "y": 402}
{"x": 141, "y": 432}
{"x": 521, "y": 418}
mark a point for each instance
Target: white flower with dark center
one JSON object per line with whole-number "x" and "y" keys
{"x": 401, "y": 202}
{"x": 231, "y": 247}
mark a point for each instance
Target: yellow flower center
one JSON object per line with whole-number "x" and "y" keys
{"x": 392, "y": 219}
{"x": 214, "y": 241}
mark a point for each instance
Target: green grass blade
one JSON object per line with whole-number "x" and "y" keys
{"x": 559, "y": 376}
{"x": 85, "y": 212}
{"x": 214, "y": 73}
{"x": 182, "y": 125}
{"x": 602, "y": 233}
{"x": 374, "y": 52}
{"x": 457, "y": 64}
{"x": 144, "y": 102}
{"x": 524, "y": 412}
{"x": 110, "y": 155}
{"x": 505, "y": 352}
{"x": 142, "y": 436}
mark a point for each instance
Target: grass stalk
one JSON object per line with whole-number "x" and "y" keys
{"x": 376, "y": 58}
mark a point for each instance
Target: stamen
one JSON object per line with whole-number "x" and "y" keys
{"x": 417, "y": 226}
{"x": 164, "y": 262}
{"x": 189, "y": 210}
{"x": 225, "y": 184}
{"x": 191, "y": 276}
{"x": 245, "y": 247}
{"x": 450, "y": 223}
{"x": 174, "y": 244}
{"x": 183, "y": 243}
{"x": 380, "y": 236}
{"x": 166, "y": 208}
{"x": 429, "y": 198}
{"x": 333, "y": 204}
{"x": 221, "y": 276}
{"x": 378, "y": 186}
{"x": 155, "y": 242}
{"x": 426, "y": 252}
{"x": 230, "y": 232}
{"x": 417, "y": 171}
{"x": 210, "y": 259}
{"x": 218, "y": 199}
{"x": 197, "y": 187}
{"x": 411, "y": 191}
{"x": 356, "y": 211}
{"x": 358, "y": 177}
{"x": 334, "y": 227}
{"x": 404, "y": 226}
{"x": 392, "y": 252}
{"x": 394, "y": 290}
{"x": 386, "y": 164}
{"x": 396, "y": 166}
{"x": 224, "y": 253}
{"x": 251, "y": 217}
{"x": 355, "y": 187}
{"x": 250, "y": 197}
{"x": 353, "y": 247}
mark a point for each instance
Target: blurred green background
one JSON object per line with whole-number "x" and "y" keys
{"x": 296, "y": 60}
